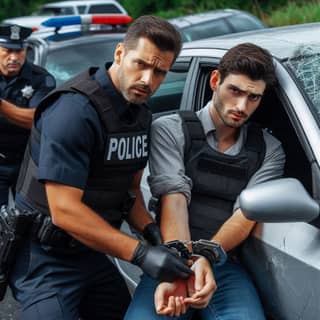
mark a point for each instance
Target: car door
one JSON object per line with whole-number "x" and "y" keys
{"x": 284, "y": 258}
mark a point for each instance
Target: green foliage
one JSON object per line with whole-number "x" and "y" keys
{"x": 295, "y": 14}
{"x": 272, "y": 12}
{"x": 16, "y": 8}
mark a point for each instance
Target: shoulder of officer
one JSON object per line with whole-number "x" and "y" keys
{"x": 38, "y": 70}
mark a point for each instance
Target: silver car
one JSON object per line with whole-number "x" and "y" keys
{"x": 283, "y": 258}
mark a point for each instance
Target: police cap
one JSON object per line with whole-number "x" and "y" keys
{"x": 13, "y": 36}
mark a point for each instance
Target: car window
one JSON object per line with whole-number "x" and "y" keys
{"x": 244, "y": 23}
{"x": 66, "y": 62}
{"x": 104, "y": 8}
{"x": 168, "y": 96}
{"x": 56, "y": 11}
{"x": 206, "y": 30}
{"x": 81, "y": 9}
{"x": 305, "y": 66}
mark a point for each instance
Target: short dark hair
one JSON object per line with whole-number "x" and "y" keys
{"x": 250, "y": 60}
{"x": 159, "y": 31}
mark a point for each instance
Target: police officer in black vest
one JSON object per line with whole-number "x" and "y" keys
{"x": 81, "y": 176}
{"x": 22, "y": 86}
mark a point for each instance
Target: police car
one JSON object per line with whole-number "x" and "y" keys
{"x": 63, "y": 8}
{"x": 283, "y": 252}
{"x": 74, "y": 43}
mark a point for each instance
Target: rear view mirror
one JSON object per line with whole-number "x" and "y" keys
{"x": 280, "y": 200}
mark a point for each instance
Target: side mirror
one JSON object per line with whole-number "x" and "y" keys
{"x": 280, "y": 200}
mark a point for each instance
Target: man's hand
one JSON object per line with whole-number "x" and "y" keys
{"x": 160, "y": 262}
{"x": 173, "y": 299}
{"x": 202, "y": 285}
{"x": 169, "y": 298}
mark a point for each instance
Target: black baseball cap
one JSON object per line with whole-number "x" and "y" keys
{"x": 13, "y": 36}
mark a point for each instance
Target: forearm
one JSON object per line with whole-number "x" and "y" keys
{"x": 234, "y": 231}
{"x": 21, "y": 117}
{"x": 138, "y": 216}
{"x": 174, "y": 217}
{"x": 72, "y": 215}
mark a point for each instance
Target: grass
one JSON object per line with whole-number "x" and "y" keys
{"x": 293, "y": 14}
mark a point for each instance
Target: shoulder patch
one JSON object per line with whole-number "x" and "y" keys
{"x": 49, "y": 81}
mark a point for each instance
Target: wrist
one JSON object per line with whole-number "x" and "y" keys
{"x": 211, "y": 250}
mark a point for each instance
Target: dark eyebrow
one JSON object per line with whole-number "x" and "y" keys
{"x": 232, "y": 86}
{"x": 150, "y": 65}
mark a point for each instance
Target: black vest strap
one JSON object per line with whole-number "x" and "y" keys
{"x": 192, "y": 130}
{"x": 255, "y": 146}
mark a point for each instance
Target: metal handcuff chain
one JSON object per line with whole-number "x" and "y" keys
{"x": 211, "y": 250}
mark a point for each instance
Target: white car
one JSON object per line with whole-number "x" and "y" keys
{"x": 63, "y": 8}
{"x": 282, "y": 258}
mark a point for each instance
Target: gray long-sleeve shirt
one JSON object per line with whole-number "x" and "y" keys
{"x": 167, "y": 170}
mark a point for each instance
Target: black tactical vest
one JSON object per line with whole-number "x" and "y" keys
{"x": 111, "y": 173}
{"x": 217, "y": 178}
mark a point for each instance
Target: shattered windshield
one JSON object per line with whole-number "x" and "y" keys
{"x": 305, "y": 64}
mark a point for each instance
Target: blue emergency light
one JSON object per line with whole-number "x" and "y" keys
{"x": 87, "y": 19}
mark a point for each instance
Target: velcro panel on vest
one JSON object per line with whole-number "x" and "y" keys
{"x": 123, "y": 148}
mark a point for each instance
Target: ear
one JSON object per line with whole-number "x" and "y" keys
{"x": 214, "y": 79}
{"x": 118, "y": 53}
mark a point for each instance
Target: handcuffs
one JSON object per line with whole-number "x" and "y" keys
{"x": 211, "y": 250}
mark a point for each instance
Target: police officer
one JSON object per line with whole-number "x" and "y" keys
{"x": 81, "y": 174}
{"x": 22, "y": 86}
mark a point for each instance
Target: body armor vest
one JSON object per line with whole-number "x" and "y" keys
{"x": 111, "y": 172}
{"x": 217, "y": 178}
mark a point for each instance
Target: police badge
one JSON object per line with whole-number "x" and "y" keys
{"x": 27, "y": 92}
{"x": 15, "y": 32}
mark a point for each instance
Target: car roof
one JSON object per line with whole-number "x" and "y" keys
{"x": 71, "y": 35}
{"x": 282, "y": 42}
{"x": 81, "y": 31}
{"x": 188, "y": 20}
{"x": 76, "y": 2}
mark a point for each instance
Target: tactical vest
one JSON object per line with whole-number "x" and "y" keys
{"x": 217, "y": 178}
{"x": 111, "y": 173}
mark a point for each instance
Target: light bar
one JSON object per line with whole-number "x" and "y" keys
{"x": 105, "y": 19}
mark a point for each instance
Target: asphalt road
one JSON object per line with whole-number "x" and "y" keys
{"x": 9, "y": 308}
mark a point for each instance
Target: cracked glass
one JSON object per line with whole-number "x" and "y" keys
{"x": 305, "y": 64}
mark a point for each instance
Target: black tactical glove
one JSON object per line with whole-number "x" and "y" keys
{"x": 160, "y": 263}
{"x": 152, "y": 234}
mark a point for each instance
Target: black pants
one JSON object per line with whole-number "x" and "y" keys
{"x": 68, "y": 287}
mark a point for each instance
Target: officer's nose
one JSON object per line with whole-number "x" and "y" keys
{"x": 146, "y": 77}
{"x": 14, "y": 55}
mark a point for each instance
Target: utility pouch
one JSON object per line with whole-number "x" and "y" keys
{"x": 13, "y": 226}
